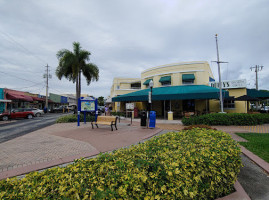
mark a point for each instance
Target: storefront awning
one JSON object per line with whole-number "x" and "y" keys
{"x": 246, "y": 98}
{"x": 147, "y": 82}
{"x": 15, "y": 97}
{"x": 19, "y": 97}
{"x": 258, "y": 93}
{"x": 183, "y": 92}
{"x": 186, "y": 77}
{"x": 165, "y": 79}
{"x": 27, "y": 98}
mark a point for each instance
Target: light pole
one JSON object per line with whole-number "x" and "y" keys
{"x": 150, "y": 95}
{"x": 149, "y": 101}
{"x": 220, "y": 83}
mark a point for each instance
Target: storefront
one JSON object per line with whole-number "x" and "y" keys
{"x": 184, "y": 87}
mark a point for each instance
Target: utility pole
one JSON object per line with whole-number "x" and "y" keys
{"x": 47, "y": 76}
{"x": 220, "y": 83}
{"x": 257, "y": 68}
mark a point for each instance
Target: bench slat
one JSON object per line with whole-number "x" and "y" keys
{"x": 106, "y": 120}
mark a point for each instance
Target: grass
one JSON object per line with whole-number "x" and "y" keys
{"x": 258, "y": 144}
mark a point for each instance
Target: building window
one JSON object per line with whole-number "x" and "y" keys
{"x": 228, "y": 104}
{"x": 166, "y": 83}
{"x": 187, "y": 82}
{"x": 188, "y": 79}
{"x": 136, "y": 86}
{"x": 165, "y": 80}
{"x": 118, "y": 87}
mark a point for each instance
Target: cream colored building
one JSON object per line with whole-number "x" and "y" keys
{"x": 122, "y": 86}
{"x": 178, "y": 88}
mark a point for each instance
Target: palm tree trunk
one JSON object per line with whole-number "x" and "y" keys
{"x": 77, "y": 92}
{"x": 79, "y": 83}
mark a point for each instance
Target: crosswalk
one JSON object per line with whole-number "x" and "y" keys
{"x": 257, "y": 129}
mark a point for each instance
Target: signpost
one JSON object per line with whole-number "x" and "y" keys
{"x": 129, "y": 106}
{"x": 85, "y": 105}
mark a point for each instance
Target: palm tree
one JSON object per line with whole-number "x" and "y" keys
{"x": 71, "y": 64}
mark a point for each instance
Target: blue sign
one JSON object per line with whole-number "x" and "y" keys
{"x": 63, "y": 99}
{"x": 85, "y": 105}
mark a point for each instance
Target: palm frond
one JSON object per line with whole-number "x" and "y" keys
{"x": 91, "y": 72}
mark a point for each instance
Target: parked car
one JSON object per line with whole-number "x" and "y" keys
{"x": 101, "y": 109}
{"x": 37, "y": 112}
{"x": 17, "y": 113}
{"x": 71, "y": 108}
{"x": 264, "y": 109}
{"x": 60, "y": 109}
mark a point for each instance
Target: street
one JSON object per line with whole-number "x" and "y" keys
{"x": 254, "y": 180}
{"x": 21, "y": 127}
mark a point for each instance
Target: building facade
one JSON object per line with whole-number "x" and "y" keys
{"x": 178, "y": 88}
{"x": 122, "y": 86}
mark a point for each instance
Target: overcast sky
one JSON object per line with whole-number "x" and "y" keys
{"x": 126, "y": 37}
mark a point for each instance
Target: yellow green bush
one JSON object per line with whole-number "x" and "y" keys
{"x": 191, "y": 164}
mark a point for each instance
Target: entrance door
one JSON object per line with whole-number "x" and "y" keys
{"x": 165, "y": 108}
{"x": 188, "y": 105}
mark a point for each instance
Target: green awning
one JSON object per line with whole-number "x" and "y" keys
{"x": 147, "y": 82}
{"x": 261, "y": 94}
{"x": 187, "y": 77}
{"x": 165, "y": 79}
{"x": 182, "y": 92}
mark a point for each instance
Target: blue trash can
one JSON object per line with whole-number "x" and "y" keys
{"x": 152, "y": 119}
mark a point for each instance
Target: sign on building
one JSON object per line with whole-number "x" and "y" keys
{"x": 129, "y": 106}
{"x": 242, "y": 83}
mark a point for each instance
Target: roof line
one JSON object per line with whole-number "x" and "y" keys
{"x": 174, "y": 64}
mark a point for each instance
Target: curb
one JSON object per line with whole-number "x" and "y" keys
{"x": 44, "y": 165}
{"x": 260, "y": 162}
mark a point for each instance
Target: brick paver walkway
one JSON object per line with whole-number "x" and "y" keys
{"x": 62, "y": 143}
{"x": 40, "y": 146}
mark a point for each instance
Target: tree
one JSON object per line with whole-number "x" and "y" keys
{"x": 71, "y": 64}
{"x": 101, "y": 101}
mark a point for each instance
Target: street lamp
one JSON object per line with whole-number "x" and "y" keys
{"x": 150, "y": 95}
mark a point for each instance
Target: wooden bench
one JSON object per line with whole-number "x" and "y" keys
{"x": 106, "y": 120}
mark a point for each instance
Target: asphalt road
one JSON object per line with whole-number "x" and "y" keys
{"x": 21, "y": 127}
{"x": 254, "y": 180}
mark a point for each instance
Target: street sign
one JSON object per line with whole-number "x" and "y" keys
{"x": 149, "y": 97}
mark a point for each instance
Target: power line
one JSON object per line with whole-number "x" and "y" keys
{"x": 4, "y": 60}
{"x": 20, "y": 45}
{"x": 20, "y": 78}
{"x": 25, "y": 87}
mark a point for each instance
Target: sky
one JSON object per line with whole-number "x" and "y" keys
{"x": 127, "y": 37}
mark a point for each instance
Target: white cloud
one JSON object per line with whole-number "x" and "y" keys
{"x": 127, "y": 37}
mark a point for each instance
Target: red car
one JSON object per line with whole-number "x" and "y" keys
{"x": 16, "y": 113}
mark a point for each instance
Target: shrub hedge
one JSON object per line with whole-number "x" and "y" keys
{"x": 122, "y": 114}
{"x": 191, "y": 164}
{"x": 239, "y": 119}
{"x": 74, "y": 118}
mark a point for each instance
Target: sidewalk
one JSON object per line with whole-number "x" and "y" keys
{"x": 62, "y": 143}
